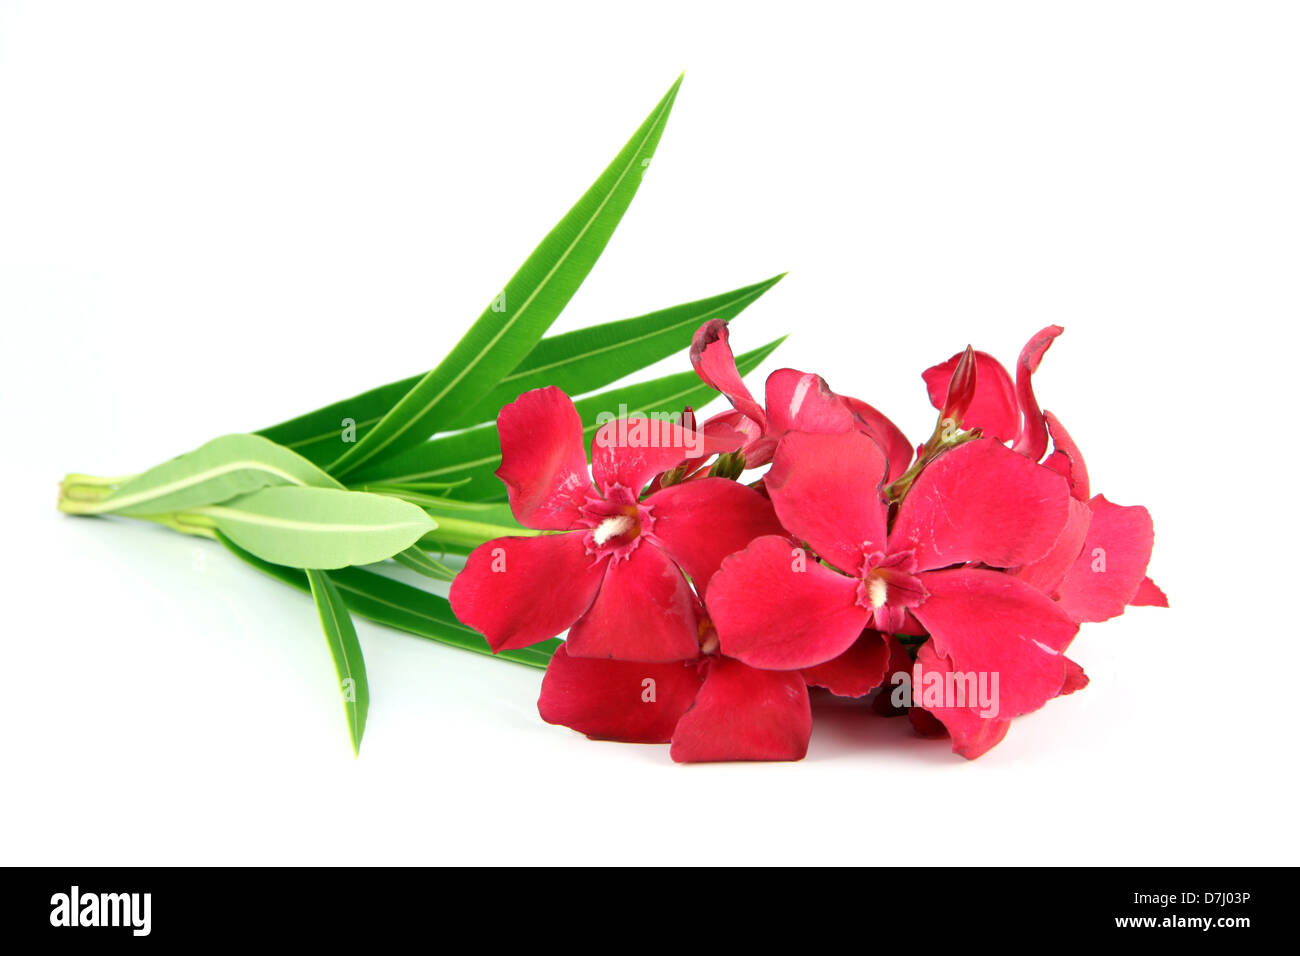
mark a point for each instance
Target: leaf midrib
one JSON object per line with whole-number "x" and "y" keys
{"x": 354, "y": 721}
{"x": 269, "y": 521}
{"x": 519, "y": 374}
{"x": 406, "y": 610}
{"x": 690, "y": 320}
{"x": 117, "y": 504}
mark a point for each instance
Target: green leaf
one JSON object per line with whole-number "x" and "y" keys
{"x": 321, "y": 528}
{"x": 523, "y": 311}
{"x": 587, "y": 359}
{"x": 416, "y": 559}
{"x": 475, "y": 454}
{"x": 462, "y": 525}
{"x": 399, "y": 605}
{"x": 467, "y": 524}
{"x": 226, "y": 468}
{"x": 427, "y": 615}
{"x": 318, "y": 435}
{"x": 222, "y": 469}
{"x": 577, "y": 362}
{"x": 346, "y": 651}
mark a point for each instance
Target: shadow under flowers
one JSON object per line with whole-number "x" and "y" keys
{"x": 847, "y": 729}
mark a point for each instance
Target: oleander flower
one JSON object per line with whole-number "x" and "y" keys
{"x": 974, "y": 511}
{"x": 616, "y": 574}
{"x": 709, "y": 707}
{"x": 701, "y": 611}
{"x": 1098, "y": 566}
{"x": 795, "y": 401}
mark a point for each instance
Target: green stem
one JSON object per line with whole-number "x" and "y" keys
{"x": 97, "y": 481}
{"x": 464, "y": 524}
{"x": 86, "y": 494}
{"x": 468, "y": 533}
{"x": 947, "y": 434}
{"x": 186, "y": 522}
{"x": 82, "y": 494}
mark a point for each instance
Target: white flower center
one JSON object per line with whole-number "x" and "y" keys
{"x": 612, "y": 527}
{"x": 876, "y": 590}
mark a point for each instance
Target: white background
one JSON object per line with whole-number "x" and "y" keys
{"x": 215, "y": 216}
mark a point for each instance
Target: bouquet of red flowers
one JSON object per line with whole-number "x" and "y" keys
{"x": 707, "y": 573}
{"x": 944, "y": 581}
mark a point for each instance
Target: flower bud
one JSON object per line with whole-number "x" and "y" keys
{"x": 728, "y": 466}
{"x": 961, "y": 388}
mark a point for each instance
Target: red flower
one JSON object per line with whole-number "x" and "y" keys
{"x": 796, "y": 401}
{"x": 1098, "y": 566}
{"x": 972, "y": 734}
{"x": 968, "y": 563}
{"x": 709, "y": 708}
{"x": 1000, "y": 409}
{"x": 614, "y": 577}
{"x": 975, "y": 508}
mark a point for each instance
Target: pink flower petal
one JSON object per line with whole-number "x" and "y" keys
{"x": 1032, "y": 440}
{"x": 757, "y": 449}
{"x": 993, "y": 623}
{"x": 980, "y": 502}
{"x": 727, "y": 428}
{"x": 972, "y": 734}
{"x": 924, "y": 723}
{"x": 802, "y": 401}
{"x": 1112, "y": 565}
{"x": 1066, "y": 458}
{"x": 745, "y": 714}
{"x": 518, "y": 591}
{"x": 777, "y": 608}
{"x": 993, "y": 409}
{"x": 631, "y": 451}
{"x": 856, "y": 672}
{"x": 826, "y": 489}
{"x": 701, "y": 522}
{"x": 1148, "y": 595}
{"x": 1075, "y": 678}
{"x": 900, "y": 662}
{"x": 543, "y": 463}
{"x": 1047, "y": 573}
{"x": 645, "y": 611}
{"x": 716, "y": 366}
{"x": 886, "y": 434}
{"x": 633, "y": 702}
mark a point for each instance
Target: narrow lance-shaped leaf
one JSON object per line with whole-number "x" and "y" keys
{"x": 321, "y": 528}
{"x": 318, "y": 435}
{"x": 523, "y": 311}
{"x": 476, "y": 454}
{"x": 417, "y": 560}
{"x": 399, "y": 605}
{"x": 217, "y": 471}
{"x": 587, "y": 359}
{"x": 577, "y": 362}
{"x": 346, "y": 651}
